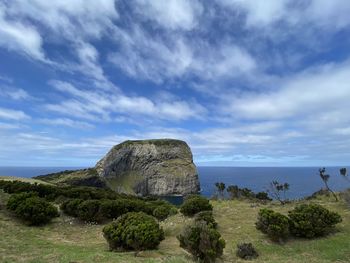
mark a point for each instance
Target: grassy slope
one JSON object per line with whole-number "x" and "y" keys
{"x": 27, "y": 180}
{"x": 66, "y": 240}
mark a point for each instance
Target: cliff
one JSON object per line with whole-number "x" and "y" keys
{"x": 150, "y": 167}
{"x": 143, "y": 167}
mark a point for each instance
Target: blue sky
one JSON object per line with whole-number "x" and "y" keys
{"x": 245, "y": 83}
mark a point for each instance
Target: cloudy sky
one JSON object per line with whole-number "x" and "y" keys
{"x": 244, "y": 82}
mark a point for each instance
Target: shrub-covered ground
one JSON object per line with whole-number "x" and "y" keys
{"x": 69, "y": 240}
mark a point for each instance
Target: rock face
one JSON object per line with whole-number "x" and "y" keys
{"x": 150, "y": 167}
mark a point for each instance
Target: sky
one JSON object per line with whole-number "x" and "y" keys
{"x": 243, "y": 82}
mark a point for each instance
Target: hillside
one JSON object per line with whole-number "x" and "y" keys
{"x": 67, "y": 240}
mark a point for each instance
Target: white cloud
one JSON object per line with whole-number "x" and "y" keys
{"x": 172, "y": 14}
{"x": 14, "y": 93}
{"x": 103, "y": 105}
{"x": 67, "y": 122}
{"x": 10, "y": 114}
{"x": 20, "y": 37}
{"x": 316, "y": 91}
{"x": 259, "y": 13}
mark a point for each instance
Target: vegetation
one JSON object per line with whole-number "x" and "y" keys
{"x": 312, "y": 220}
{"x": 195, "y": 204}
{"x": 66, "y": 239}
{"x": 279, "y": 190}
{"x": 220, "y": 187}
{"x": 274, "y": 224}
{"x": 325, "y": 178}
{"x": 202, "y": 241}
{"x": 34, "y": 210}
{"x": 207, "y": 217}
{"x": 246, "y": 251}
{"x": 133, "y": 231}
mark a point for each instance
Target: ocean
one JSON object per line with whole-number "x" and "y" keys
{"x": 303, "y": 180}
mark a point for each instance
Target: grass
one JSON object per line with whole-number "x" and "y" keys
{"x": 67, "y": 240}
{"x": 26, "y": 180}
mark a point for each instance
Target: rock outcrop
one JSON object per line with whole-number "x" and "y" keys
{"x": 150, "y": 167}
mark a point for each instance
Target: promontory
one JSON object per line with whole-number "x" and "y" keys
{"x": 142, "y": 167}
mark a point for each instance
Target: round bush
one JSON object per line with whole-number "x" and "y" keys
{"x": 206, "y": 216}
{"x": 36, "y": 211}
{"x": 16, "y": 199}
{"x": 312, "y": 220}
{"x": 194, "y": 204}
{"x": 274, "y": 224}
{"x": 89, "y": 211}
{"x": 161, "y": 212}
{"x": 112, "y": 209}
{"x": 70, "y": 207}
{"x": 133, "y": 231}
{"x": 202, "y": 241}
{"x": 246, "y": 251}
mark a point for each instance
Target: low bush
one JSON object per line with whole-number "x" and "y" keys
{"x": 161, "y": 212}
{"x": 70, "y": 207}
{"x": 194, "y": 204}
{"x": 312, "y": 220}
{"x": 89, "y": 211}
{"x": 202, "y": 241}
{"x": 133, "y": 231}
{"x": 207, "y": 217}
{"x": 16, "y": 199}
{"x": 263, "y": 196}
{"x": 246, "y": 251}
{"x": 274, "y": 224}
{"x": 36, "y": 211}
{"x": 112, "y": 209}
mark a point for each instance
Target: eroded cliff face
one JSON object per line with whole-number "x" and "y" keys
{"x": 150, "y": 167}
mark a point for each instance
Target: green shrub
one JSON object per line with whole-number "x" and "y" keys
{"x": 70, "y": 207}
{"x": 246, "y": 251}
{"x": 194, "y": 204}
{"x": 112, "y": 209}
{"x": 89, "y": 211}
{"x": 312, "y": 220}
{"x": 36, "y": 211}
{"x": 263, "y": 196}
{"x": 133, "y": 231}
{"x": 16, "y": 199}
{"x": 206, "y": 216}
{"x": 202, "y": 241}
{"x": 161, "y": 212}
{"x": 274, "y": 224}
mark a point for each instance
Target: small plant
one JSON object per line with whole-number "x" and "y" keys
{"x": 220, "y": 187}
{"x": 263, "y": 196}
{"x": 312, "y": 220}
{"x": 279, "y": 190}
{"x": 133, "y": 231}
{"x": 246, "y": 251}
{"x": 161, "y": 212}
{"x": 70, "y": 207}
{"x": 233, "y": 191}
{"x": 16, "y": 199}
{"x": 89, "y": 211}
{"x": 194, "y": 204}
{"x": 36, "y": 211}
{"x": 207, "y": 217}
{"x": 325, "y": 178}
{"x": 346, "y": 196}
{"x": 202, "y": 241}
{"x": 274, "y": 224}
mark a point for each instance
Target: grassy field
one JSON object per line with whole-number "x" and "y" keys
{"x": 67, "y": 240}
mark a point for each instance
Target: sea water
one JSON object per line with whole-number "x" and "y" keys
{"x": 303, "y": 181}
